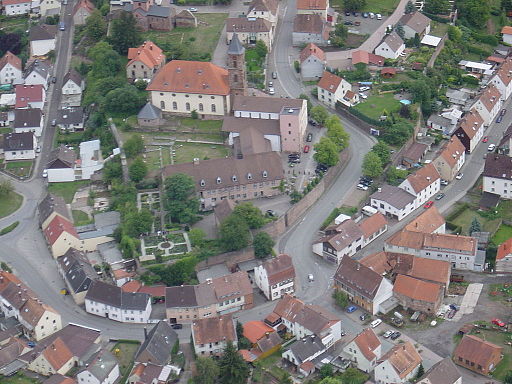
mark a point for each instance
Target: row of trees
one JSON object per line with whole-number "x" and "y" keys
{"x": 375, "y": 160}
{"x": 336, "y": 140}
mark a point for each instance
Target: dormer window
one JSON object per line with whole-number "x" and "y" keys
{"x": 203, "y": 183}
{"x": 234, "y": 178}
{"x": 219, "y": 180}
{"x": 265, "y": 174}
{"x": 249, "y": 176}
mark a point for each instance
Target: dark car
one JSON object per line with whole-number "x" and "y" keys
{"x": 176, "y": 326}
{"x": 364, "y": 316}
{"x": 503, "y": 111}
{"x": 348, "y": 23}
{"x": 395, "y": 335}
{"x": 351, "y": 309}
{"x": 498, "y": 120}
{"x": 440, "y": 196}
{"x": 347, "y": 13}
{"x": 309, "y": 139}
{"x": 271, "y": 213}
{"x": 54, "y": 79}
{"x": 355, "y": 14}
{"x": 313, "y": 123}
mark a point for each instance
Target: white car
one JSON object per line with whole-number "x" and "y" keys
{"x": 271, "y": 91}
{"x": 363, "y": 96}
{"x": 362, "y": 187}
{"x": 192, "y": 9}
{"x": 375, "y": 323}
{"x": 491, "y": 147}
{"x": 310, "y": 277}
{"x": 459, "y": 176}
{"x": 45, "y": 173}
{"x": 38, "y": 149}
{"x": 387, "y": 334}
{"x": 378, "y": 16}
{"x": 363, "y": 89}
{"x": 372, "y": 15}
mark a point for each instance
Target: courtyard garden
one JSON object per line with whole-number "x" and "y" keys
{"x": 20, "y": 168}
{"x": 168, "y": 246}
{"x": 124, "y": 351}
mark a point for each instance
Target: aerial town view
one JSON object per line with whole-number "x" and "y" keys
{"x": 256, "y": 191}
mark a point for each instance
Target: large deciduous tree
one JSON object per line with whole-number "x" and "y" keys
{"x": 207, "y": 371}
{"x": 372, "y": 165}
{"x": 133, "y": 146}
{"x": 234, "y": 233}
{"x": 95, "y": 26}
{"x": 354, "y": 5}
{"x": 475, "y": 12}
{"x": 138, "y": 170}
{"x": 326, "y": 152}
{"x": 124, "y": 33}
{"x": 181, "y": 199}
{"x": 262, "y": 244}
{"x": 105, "y": 61}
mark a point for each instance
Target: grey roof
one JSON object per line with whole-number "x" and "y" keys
{"x": 247, "y": 25}
{"x": 489, "y": 200}
{"x": 42, "y": 32}
{"x": 393, "y": 40}
{"x": 457, "y": 94}
{"x": 70, "y": 116}
{"x": 440, "y": 120}
{"x": 358, "y": 277}
{"x": 77, "y": 270}
{"x": 443, "y": 372}
{"x": 159, "y": 11}
{"x": 109, "y": 252}
{"x": 30, "y": 117}
{"x": 19, "y": 141}
{"x": 158, "y": 344}
{"x": 105, "y": 223}
{"x": 109, "y": 294}
{"x": 58, "y": 379}
{"x": 52, "y": 203}
{"x": 74, "y": 76}
{"x": 265, "y": 104}
{"x": 235, "y": 46}
{"x": 10, "y": 351}
{"x": 62, "y": 157}
{"x": 39, "y": 66}
{"x": 498, "y": 166}
{"x": 394, "y": 196}
{"x": 479, "y": 258}
{"x": 306, "y": 347}
{"x": 100, "y": 365}
{"x": 346, "y": 233}
{"x": 149, "y": 112}
{"x": 416, "y": 20}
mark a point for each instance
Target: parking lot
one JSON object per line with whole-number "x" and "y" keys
{"x": 367, "y": 25}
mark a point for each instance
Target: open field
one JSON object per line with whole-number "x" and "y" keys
{"x": 18, "y": 378}
{"x": 375, "y": 104}
{"x": 467, "y": 216}
{"x": 19, "y": 168}
{"x": 10, "y": 204}
{"x": 385, "y": 7}
{"x": 503, "y": 234}
{"x": 66, "y": 190}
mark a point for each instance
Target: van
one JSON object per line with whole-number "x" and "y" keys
{"x": 375, "y": 323}
{"x": 368, "y": 211}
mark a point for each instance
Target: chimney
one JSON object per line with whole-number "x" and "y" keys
{"x": 379, "y": 189}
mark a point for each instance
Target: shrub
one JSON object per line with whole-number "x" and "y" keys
{"x": 9, "y": 228}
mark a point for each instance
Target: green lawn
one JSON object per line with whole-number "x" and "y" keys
{"x": 66, "y": 190}
{"x": 271, "y": 360}
{"x": 202, "y": 125}
{"x": 503, "y": 234}
{"x": 438, "y": 29}
{"x": 385, "y": 7}
{"x": 186, "y": 152}
{"x": 125, "y": 352}
{"x": 11, "y": 24}
{"x": 466, "y": 217}
{"x": 199, "y": 42}
{"x": 18, "y": 378}
{"x": 10, "y": 204}
{"x": 80, "y": 218}
{"x": 375, "y": 104}
{"x": 19, "y": 168}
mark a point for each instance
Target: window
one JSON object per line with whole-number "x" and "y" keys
{"x": 203, "y": 183}
{"x": 201, "y": 107}
{"x": 249, "y": 176}
{"x": 234, "y": 178}
{"x": 174, "y": 105}
{"x": 214, "y": 108}
{"x": 219, "y": 180}
{"x": 265, "y": 174}
{"x": 162, "y": 104}
{"x": 187, "y": 106}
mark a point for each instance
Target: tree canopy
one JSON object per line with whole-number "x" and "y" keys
{"x": 474, "y": 12}
{"x": 372, "y": 165}
{"x": 383, "y": 151}
{"x": 234, "y": 233}
{"x": 336, "y": 132}
{"x": 133, "y": 146}
{"x": 233, "y": 368}
{"x": 95, "y": 26}
{"x": 250, "y": 214}
{"x": 207, "y": 370}
{"x": 105, "y": 61}
{"x": 127, "y": 99}
{"x": 354, "y": 5}
{"x": 326, "y": 152}
{"x": 181, "y": 199}
{"x": 124, "y": 33}
{"x": 138, "y": 170}
{"x": 319, "y": 114}
{"x": 263, "y": 244}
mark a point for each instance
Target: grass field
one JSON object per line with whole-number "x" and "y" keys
{"x": 10, "y": 204}
{"x": 12, "y": 24}
{"x": 19, "y": 168}
{"x": 124, "y": 353}
{"x": 503, "y": 234}
{"x": 186, "y": 152}
{"x": 66, "y": 190}
{"x": 199, "y": 41}
{"x": 18, "y": 378}
{"x": 438, "y": 29}
{"x": 466, "y": 217}
{"x": 375, "y": 104}
{"x": 80, "y": 218}
{"x": 385, "y": 7}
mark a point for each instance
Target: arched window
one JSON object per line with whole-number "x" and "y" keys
{"x": 162, "y": 105}
{"x": 187, "y": 106}
{"x": 214, "y": 108}
{"x": 174, "y": 105}
{"x": 201, "y": 107}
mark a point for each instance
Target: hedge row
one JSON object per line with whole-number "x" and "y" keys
{"x": 457, "y": 211}
{"x": 9, "y": 228}
{"x": 437, "y": 18}
{"x": 369, "y": 120}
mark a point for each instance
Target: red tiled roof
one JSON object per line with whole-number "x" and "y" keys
{"x": 504, "y": 249}
{"x": 427, "y": 222}
{"x": 13, "y": 2}
{"x": 312, "y": 4}
{"x": 417, "y": 289}
{"x": 155, "y": 290}
{"x": 311, "y": 49}
{"x": 279, "y": 269}
{"x": 476, "y": 350}
{"x": 329, "y": 82}
{"x": 26, "y": 94}
{"x": 56, "y": 227}
{"x": 367, "y": 58}
{"x": 452, "y": 151}
{"x": 148, "y": 53}
{"x": 10, "y": 58}
{"x": 255, "y": 330}
{"x": 131, "y": 286}
{"x": 85, "y": 4}
{"x": 388, "y": 71}
{"x": 471, "y": 123}
{"x": 373, "y": 224}
{"x": 367, "y": 342}
{"x": 423, "y": 177}
{"x": 505, "y": 30}
{"x": 490, "y": 96}
{"x": 57, "y": 354}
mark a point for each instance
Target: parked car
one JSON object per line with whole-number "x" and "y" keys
{"x": 62, "y": 26}
{"x": 362, "y": 187}
{"x": 270, "y": 83}
{"x": 271, "y": 91}
{"x": 347, "y": 13}
{"x": 440, "y": 196}
{"x": 459, "y": 176}
{"x": 31, "y": 344}
{"x": 444, "y": 182}
{"x": 387, "y": 334}
{"x": 378, "y": 16}
{"x": 428, "y": 204}
{"x": 351, "y": 309}
{"x": 348, "y": 22}
{"x": 45, "y": 173}
{"x": 395, "y": 335}
{"x": 306, "y": 148}
{"x": 365, "y": 15}
{"x": 313, "y": 123}
{"x": 499, "y": 118}
{"x": 503, "y": 111}
{"x": 364, "y": 89}
{"x": 309, "y": 138}
{"x": 274, "y": 75}
{"x": 310, "y": 277}
{"x": 357, "y": 23}
{"x": 363, "y": 96}
{"x": 343, "y": 333}
{"x": 54, "y": 122}
{"x": 192, "y": 9}
{"x": 451, "y": 313}
{"x": 375, "y": 323}
{"x": 271, "y": 213}
{"x": 364, "y": 316}
{"x": 491, "y": 147}
{"x": 372, "y": 15}
{"x": 498, "y": 322}
{"x": 38, "y": 149}
{"x": 345, "y": 363}
{"x": 485, "y": 139}
{"x": 176, "y": 326}
{"x": 355, "y": 14}
{"x": 54, "y": 79}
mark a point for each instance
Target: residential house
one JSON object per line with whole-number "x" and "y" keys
{"x": 506, "y": 33}
{"x": 264, "y": 124}
{"x": 37, "y": 319}
{"x": 418, "y": 295}
{"x": 364, "y": 287}
{"x": 49, "y": 7}
{"x": 457, "y": 96}
{"x": 303, "y": 320}
{"x": 497, "y": 175}
{"x": 112, "y": 302}
{"x": 144, "y": 61}
{"x": 210, "y": 336}
{"x": 276, "y": 277}
{"x": 181, "y": 87}
{"x": 398, "y": 365}
{"x": 16, "y": 7}
{"x": 51, "y": 206}
{"x": 488, "y": 103}
{"x": 250, "y": 30}
{"x": 414, "y": 155}
{"x": 450, "y": 158}
{"x": 263, "y": 338}
{"x": 479, "y": 69}
{"x": 57, "y": 354}
{"x": 415, "y": 23}
{"x": 81, "y": 11}
{"x": 502, "y": 79}
{"x": 150, "y": 116}
{"x": 37, "y": 73}
{"x": 185, "y": 19}
{"x": 151, "y": 374}
{"x": 252, "y": 176}
{"x": 440, "y": 123}
{"x": 30, "y": 96}
{"x": 63, "y": 164}
{"x": 442, "y": 372}
{"x": 313, "y": 7}
{"x": 12, "y": 348}
{"x": 10, "y": 69}
{"x": 72, "y": 84}
{"x": 391, "y": 46}
{"x": 149, "y": 16}
{"x": 212, "y": 298}
{"x": 331, "y": 89}
{"x": 61, "y": 235}
{"x": 310, "y": 28}
{"x": 470, "y": 130}
{"x": 505, "y": 142}
{"x": 77, "y": 272}
{"x": 42, "y": 39}
{"x": 372, "y": 227}
{"x": 477, "y": 355}
{"x": 461, "y": 251}
{"x": 393, "y": 201}
{"x": 302, "y": 353}
{"x": 504, "y": 256}
{"x": 367, "y": 58}
{"x": 157, "y": 345}
{"x": 19, "y": 146}
{"x": 424, "y": 183}
{"x": 264, "y": 9}
{"x": 312, "y": 62}
{"x": 364, "y": 350}
{"x": 101, "y": 368}
{"x": 70, "y": 119}
{"x": 345, "y": 240}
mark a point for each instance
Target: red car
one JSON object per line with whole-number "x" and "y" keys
{"x": 485, "y": 139}
{"x": 428, "y": 204}
{"x": 306, "y": 148}
{"x": 498, "y": 322}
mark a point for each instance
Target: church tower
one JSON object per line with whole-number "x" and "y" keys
{"x": 236, "y": 67}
